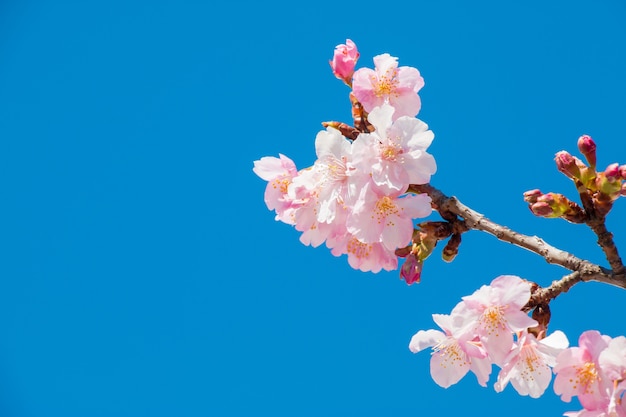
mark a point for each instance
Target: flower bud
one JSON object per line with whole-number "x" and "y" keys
{"x": 609, "y": 182}
{"x": 541, "y": 209}
{"x": 566, "y": 163}
{"x": 411, "y": 270}
{"x": 612, "y": 172}
{"x": 622, "y": 171}
{"x": 553, "y": 205}
{"x": 344, "y": 61}
{"x": 532, "y": 195}
{"x": 452, "y": 247}
{"x": 587, "y": 147}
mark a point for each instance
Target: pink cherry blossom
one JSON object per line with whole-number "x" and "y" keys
{"x": 388, "y": 83}
{"x": 528, "y": 364}
{"x": 452, "y": 357}
{"x": 395, "y": 154}
{"x": 367, "y": 257}
{"x": 279, "y": 172}
{"x": 344, "y": 61}
{"x": 386, "y": 218}
{"x": 321, "y": 191}
{"x": 493, "y": 314}
{"x": 612, "y": 361}
{"x": 578, "y": 372}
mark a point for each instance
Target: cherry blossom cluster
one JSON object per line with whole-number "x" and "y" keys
{"x": 354, "y": 198}
{"x": 368, "y": 184}
{"x": 595, "y": 372}
{"x": 489, "y": 328}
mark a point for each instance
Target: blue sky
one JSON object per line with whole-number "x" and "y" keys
{"x": 142, "y": 275}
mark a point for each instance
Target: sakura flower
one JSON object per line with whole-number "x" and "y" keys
{"x": 452, "y": 357}
{"x": 344, "y": 60}
{"x": 395, "y": 154}
{"x": 388, "y": 83}
{"x": 320, "y": 191}
{"x": 493, "y": 314}
{"x": 367, "y": 257}
{"x": 279, "y": 172}
{"x": 578, "y": 372}
{"x": 528, "y": 364}
{"x": 386, "y": 219}
{"x": 612, "y": 361}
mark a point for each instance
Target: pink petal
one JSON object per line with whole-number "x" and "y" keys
{"x": 448, "y": 366}
{"x": 425, "y": 339}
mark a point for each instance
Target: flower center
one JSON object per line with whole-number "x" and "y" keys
{"x": 359, "y": 249}
{"x": 493, "y": 320}
{"x": 586, "y": 376}
{"x": 385, "y": 207}
{"x": 387, "y": 84}
{"x": 390, "y": 152}
{"x": 452, "y": 353}
{"x": 281, "y": 183}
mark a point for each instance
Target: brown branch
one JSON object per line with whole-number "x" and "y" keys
{"x": 583, "y": 270}
{"x": 605, "y": 240}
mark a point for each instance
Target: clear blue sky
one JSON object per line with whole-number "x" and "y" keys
{"x": 142, "y": 275}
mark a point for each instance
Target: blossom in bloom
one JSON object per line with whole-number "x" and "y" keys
{"x": 389, "y": 83}
{"x": 367, "y": 257}
{"x": 452, "y": 357}
{"x": 377, "y": 217}
{"x": 279, "y": 172}
{"x": 321, "y": 191}
{"x": 395, "y": 154}
{"x": 493, "y": 313}
{"x": 344, "y": 61}
{"x": 612, "y": 361}
{"x": 578, "y": 372}
{"x": 527, "y": 366}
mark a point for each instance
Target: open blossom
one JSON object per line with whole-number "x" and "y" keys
{"x": 578, "y": 371}
{"x": 452, "y": 357}
{"x": 395, "y": 154}
{"x": 595, "y": 372}
{"x": 344, "y": 61}
{"x": 367, "y": 257}
{"x": 279, "y": 173}
{"x": 528, "y": 364}
{"x": 612, "y": 361}
{"x": 388, "y": 83}
{"x": 386, "y": 218}
{"x": 321, "y": 191}
{"x": 493, "y": 313}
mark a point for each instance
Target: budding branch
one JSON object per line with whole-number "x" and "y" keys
{"x": 582, "y": 270}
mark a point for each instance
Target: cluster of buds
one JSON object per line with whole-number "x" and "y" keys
{"x": 599, "y": 188}
{"x": 425, "y": 238}
{"x": 552, "y": 205}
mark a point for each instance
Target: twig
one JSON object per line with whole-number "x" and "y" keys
{"x": 583, "y": 270}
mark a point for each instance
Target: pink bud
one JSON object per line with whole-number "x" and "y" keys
{"x": 541, "y": 209}
{"x": 532, "y": 195}
{"x": 566, "y": 163}
{"x": 612, "y": 172}
{"x": 622, "y": 172}
{"x": 411, "y": 270}
{"x": 587, "y": 147}
{"x": 344, "y": 61}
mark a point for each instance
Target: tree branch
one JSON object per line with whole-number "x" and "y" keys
{"x": 583, "y": 270}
